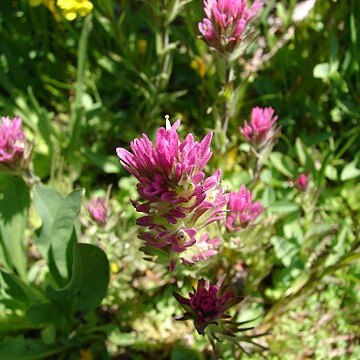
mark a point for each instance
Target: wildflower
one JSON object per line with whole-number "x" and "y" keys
{"x": 261, "y": 130}
{"x": 207, "y": 305}
{"x": 98, "y": 210}
{"x": 242, "y": 210}
{"x": 302, "y": 182}
{"x": 179, "y": 201}
{"x": 225, "y": 24}
{"x": 12, "y": 141}
{"x": 71, "y": 9}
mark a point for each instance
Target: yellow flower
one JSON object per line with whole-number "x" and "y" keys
{"x": 73, "y": 8}
{"x": 114, "y": 267}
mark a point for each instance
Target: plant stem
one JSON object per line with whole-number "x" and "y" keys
{"x": 229, "y": 77}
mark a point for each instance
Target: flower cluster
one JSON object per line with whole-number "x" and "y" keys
{"x": 71, "y": 9}
{"x": 98, "y": 210}
{"x": 179, "y": 201}
{"x": 242, "y": 210}
{"x": 207, "y": 305}
{"x": 12, "y": 141}
{"x": 261, "y": 130}
{"x": 225, "y": 23}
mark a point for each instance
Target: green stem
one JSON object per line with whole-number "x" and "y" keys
{"x": 229, "y": 78}
{"x": 77, "y": 110}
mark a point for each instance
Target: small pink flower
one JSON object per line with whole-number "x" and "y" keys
{"x": 302, "y": 182}
{"x": 12, "y": 141}
{"x": 207, "y": 305}
{"x": 242, "y": 211}
{"x": 262, "y": 129}
{"x": 226, "y": 22}
{"x": 98, "y": 210}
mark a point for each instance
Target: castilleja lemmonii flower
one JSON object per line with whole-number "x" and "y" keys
{"x": 208, "y": 304}
{"x": 179, "y": 200}
{"x": 98, "y": 210}
{"x": 12, "y": 141}
{"x": 226, "y": 22}
{"x": 242, "y": 210}
{"x": 261, "y": 130}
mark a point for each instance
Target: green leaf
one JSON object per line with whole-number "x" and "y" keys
{"x": 18, "y": 289}
{"x": 283, "y": 207}
{"x": 350, "y": 171}
{"x": 19, "y": 348}
{"x": 284, "y": 164}
{"x": 44, "y": 313}
{"x": 58, "y": 216}
{"x": 322, "y": 71}
{"x": 300, "y": 150}
{"x": 14, "y": 203}
{"x": 285, "y": 249}
{"x": 89, "y": 281}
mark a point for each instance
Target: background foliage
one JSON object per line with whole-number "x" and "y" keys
{"x": 85, "y": 87}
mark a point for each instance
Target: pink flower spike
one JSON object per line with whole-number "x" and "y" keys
{"x": 224, "y": 26}
{"x": 98, "y": 210}
{"x": 242, "y": 211}
{"x": 12, "y": 141}
{"x": 178, "y": 200}
{"x": 302, "y": 182}
{"x": 262, "y": 129}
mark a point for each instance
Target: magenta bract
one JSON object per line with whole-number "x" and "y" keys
{"x": 226, "y": 22}
{"x": 242, "y": 210}
{"x": 261, "y": 130}
{"x": 12, "y": 141}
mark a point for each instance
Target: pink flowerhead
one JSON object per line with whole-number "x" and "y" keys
{"x": 12, "y": 141}
{"x": 179, "y": 200}
{"x": 207, "y": 304}
{"x": 262, "y": 129}
{"x": 226, "y": 22}
{"x": 302, "y": 182}
{"x": 98, "y": 210}
{"x": 242, "y": 210}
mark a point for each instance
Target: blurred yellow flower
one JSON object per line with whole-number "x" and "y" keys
{"x": 114, "y": 267}
{"x": 142, "y": 46}
{"x": 73, "y": 8}
{"x": 199, "y": 65}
